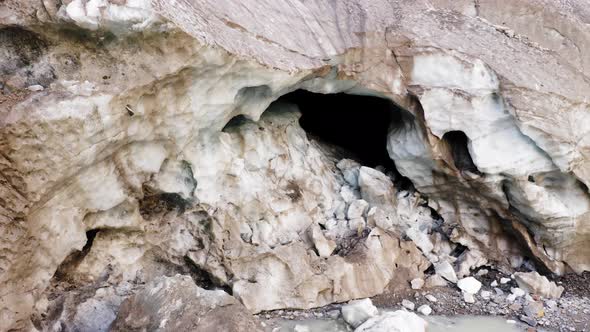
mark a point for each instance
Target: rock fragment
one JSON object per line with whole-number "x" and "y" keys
{"x": 445, "y": 270}
{"x": 358, "y": 311}
{"x": 482, "y": 272}
{"x": 468, "y": 297}
{"x": 551, "y": 304}
{"x": 357, "y": 209}
{"x": 417, "y": 283}
{"x": 535, "y": 283}
{"x": 350, "y": 171}
{"x": 469, "y": 285}
{"x": 435, "y": 280}
{"x": 425, "y": 309}
{"x": 530, "y": 321}
{"x": 324, "y": 246}
{"x": 376, "y": 188}
{"x": 408, "y": 304}
{"x": 534, "y": 309}
{"x": 431, "y": 298}
{"x": 35, "y": 87}
{"x": 348, "y": 194}
{"x": 517, "y": 291}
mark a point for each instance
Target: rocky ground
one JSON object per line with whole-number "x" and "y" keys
{"x": 571, "y": 312}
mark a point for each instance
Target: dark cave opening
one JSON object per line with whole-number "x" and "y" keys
{"x": 201, "y": 277}
{"x": 73, "y": 259}
{"x": 235, "y": 122}
{"x": 358, "y": 124}
{"x": 90, "y": 236}
{"x": 353, "y": 126}
{"x": 458, "y": 143}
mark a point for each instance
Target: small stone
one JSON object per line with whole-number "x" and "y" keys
{"x": 417, "y": 283}
{"x": 486, "y": 295}
{"x": 357, "y": 209}
{"x": 469, "y": 285}
{"x": 408, "y": 304}
{"x": 534, "y": 309}
{"x": 551, "y": 304}
{"x": 498, "y": 299}
{"x": 435, "y": 280}
{"x": 498, "y": 291}
{"x": 515, "y": 307}
{"x": 468, "y": 297}
{"x": 350, "y": 171}
{"x": 517, "y": 291}
{"x": 494, "y": 283}
{"x": 504, "y": 280}
{"x": 510, "y": 321}
{"x": 431, "y": 298}
{"x": 35, "y": 87}
{"x": 528, "y": 320}
{"x": 511, "y": 298}
{"x": 482, "y": 272}
{"x": 425, "y": 309}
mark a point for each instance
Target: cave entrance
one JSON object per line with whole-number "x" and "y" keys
{"x": 356, "y": 124}
{"x": 458, "y": 143}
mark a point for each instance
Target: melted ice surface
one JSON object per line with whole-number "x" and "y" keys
{"x": 436, "y": 324}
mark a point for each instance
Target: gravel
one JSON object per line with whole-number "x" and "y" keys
{"x": 569, "y": 313}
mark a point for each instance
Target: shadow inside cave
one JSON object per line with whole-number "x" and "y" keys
{"x": 357, "y": 124}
